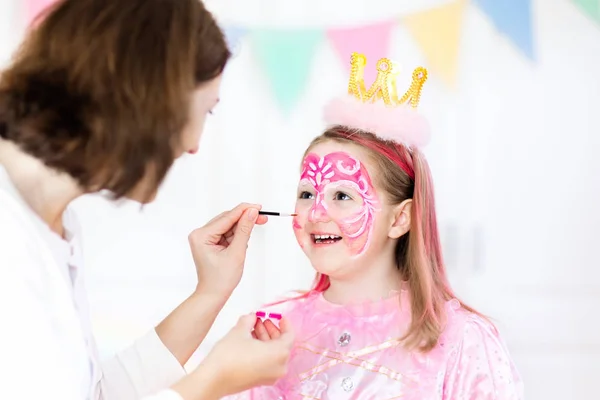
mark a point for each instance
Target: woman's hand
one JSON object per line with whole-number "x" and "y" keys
{"x": 266, "y": 330}
{"x": 219, "y": 249}
{"x": 239, "y": 362}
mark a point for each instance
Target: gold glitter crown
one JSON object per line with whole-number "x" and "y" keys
{"x": 384, "y": 87}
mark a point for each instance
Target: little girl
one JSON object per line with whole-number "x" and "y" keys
{"x": 381, "y": 321}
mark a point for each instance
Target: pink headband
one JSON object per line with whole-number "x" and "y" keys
{"x": 388, "y": 151}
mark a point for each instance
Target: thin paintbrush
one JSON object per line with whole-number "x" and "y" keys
{"x": 276, "y": 214}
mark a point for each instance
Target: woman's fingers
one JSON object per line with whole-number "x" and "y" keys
{"x": 272, "y": 330}
{"x": 260, "y": 331}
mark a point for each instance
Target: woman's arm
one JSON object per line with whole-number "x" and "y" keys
{"x": 185, "y": 328}
{"x": 155, "y": 362}
{"x": 219, "y": 252}
{"x": 236, "y": 363}
{"x": 203, "y": 387}
{"x": 239, "y": 362}
{"x": 144, "y": 368}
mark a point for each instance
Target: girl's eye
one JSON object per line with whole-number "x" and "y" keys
{"x": 305, "y": 195}
{"x": 342, "y": 196}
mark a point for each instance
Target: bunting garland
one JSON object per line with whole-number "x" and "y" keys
{"x": 590, "y": 7}
{"x": 437, "y": 31}
{"x": 512, "y": 18}
{"x": 34, "y": 7}
{"x": 234, "y": 36}
{"x": 371, "y": 40}
{"x": 286, "y": 56}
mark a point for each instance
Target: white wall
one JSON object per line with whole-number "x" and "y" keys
{"x": 513, "y": 160}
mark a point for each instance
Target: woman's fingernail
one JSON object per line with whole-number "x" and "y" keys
{"x": 261, "y": 314}
{"x": 252, "y": 214}
{"x": 275, "y": 316}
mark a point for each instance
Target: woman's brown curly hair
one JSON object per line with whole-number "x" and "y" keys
{"x": 100, "y": 89}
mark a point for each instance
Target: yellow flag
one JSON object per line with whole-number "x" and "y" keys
{"x": 437, "y": 32}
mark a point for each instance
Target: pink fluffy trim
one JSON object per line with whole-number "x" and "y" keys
{"x": 401, "y": 124}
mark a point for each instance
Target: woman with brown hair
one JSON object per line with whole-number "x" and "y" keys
{"x": 105, "y": 95}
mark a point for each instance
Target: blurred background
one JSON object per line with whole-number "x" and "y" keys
{"x": 514, "y": 101}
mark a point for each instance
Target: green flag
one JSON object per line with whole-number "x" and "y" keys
{"x": 590, "y": 7}
{"x": 286, "y": 56}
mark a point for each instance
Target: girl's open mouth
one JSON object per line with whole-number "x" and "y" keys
{"x": 325, "y": 239}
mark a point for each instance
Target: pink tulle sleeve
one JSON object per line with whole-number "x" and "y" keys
{"x": 481, "y": 368}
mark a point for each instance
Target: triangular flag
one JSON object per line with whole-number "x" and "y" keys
{"x": 34, "y": 7}
{"x": 287, "y": 57}
{"x": 437, "y": 31}
{"x": 590, "y": 7}
{"x": 513, "y": 18}
{"x": 371, "y": 40}
{"x": 234, "y": 36}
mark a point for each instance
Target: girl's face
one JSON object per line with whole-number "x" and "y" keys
{"x": 342, "y": 218}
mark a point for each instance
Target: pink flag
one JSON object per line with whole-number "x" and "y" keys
{"x": 34, "y": 7}
{"x": 371, "y": 40}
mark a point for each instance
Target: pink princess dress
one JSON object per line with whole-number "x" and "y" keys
{"x": 353, "y": 352}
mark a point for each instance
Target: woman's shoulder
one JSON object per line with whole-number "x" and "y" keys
{"x": 15, "y": 229}
{"x": 22, "y": 255}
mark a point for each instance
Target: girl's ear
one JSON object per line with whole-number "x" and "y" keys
{"x": 402, "y": 216}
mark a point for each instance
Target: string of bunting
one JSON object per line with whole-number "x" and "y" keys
{"x": 590, "y": 7}
{"x": 286, "y": 54}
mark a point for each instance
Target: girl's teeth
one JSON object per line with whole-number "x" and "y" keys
{"x": 326, "y": 237}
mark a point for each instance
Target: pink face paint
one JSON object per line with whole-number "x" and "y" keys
{"x": 297, "y": 227}
{"x": 333, "y": 173}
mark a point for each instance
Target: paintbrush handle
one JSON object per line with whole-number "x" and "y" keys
{"x": 275, "y": 214}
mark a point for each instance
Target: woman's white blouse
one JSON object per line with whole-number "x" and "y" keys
{"x": 47, "y": 349}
